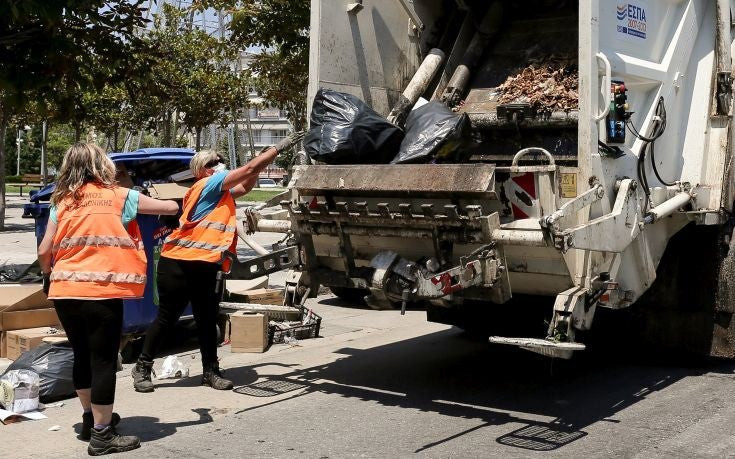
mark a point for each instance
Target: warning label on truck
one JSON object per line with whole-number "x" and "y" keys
{"x": 631, "y": 20}
{"x": 568, "y": 185}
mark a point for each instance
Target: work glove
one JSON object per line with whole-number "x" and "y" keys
{"x": 46, "y": 283}
{"x": 289, "y": 141}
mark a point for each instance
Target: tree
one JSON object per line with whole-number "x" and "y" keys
{"x": 192, "y": 75}
{"x": 281, "y": 29}
{"x": 51, "y": 50}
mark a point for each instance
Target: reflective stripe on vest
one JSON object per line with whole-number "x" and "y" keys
{"x": 95, "y": 255}
{"x": 205, "y": 239}
{"x": 96, "y": 241}
{"x": 91, "y": 276}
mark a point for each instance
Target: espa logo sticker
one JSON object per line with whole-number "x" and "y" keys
{"x": 631, "y": 19}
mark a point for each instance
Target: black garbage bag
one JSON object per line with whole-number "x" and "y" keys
{"x": 54, "y": 365}
{"x": 433, "y": 131}
{"x": 344, "y": 130}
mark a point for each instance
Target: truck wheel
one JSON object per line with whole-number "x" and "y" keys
{"x": 690, "y": 306}
{"x": 350, "y": 295}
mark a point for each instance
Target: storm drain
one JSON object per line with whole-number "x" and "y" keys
{"x": 540, "y": 438}
{"x": 269, "y": 388}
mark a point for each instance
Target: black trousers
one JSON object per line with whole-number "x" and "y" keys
{"x": 93, "y": 328}
{"x": 181, "y": 282}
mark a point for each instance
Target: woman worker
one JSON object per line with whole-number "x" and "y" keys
{"x": 192, "y": 256}
{"x": 98, "y": 261}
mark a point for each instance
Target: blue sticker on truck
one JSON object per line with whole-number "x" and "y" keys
{"x": 632, "y": 19}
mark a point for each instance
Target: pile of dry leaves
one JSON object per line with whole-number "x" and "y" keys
{"x": 548, "y": 85}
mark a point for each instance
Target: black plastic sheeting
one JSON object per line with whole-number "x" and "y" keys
{"x": 54, "y": 365}
{"x": 344, "y": 130}
{"x": 434, "y": 132}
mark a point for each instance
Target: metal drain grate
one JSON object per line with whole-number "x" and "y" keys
{"x": 269, "y": 388}
{"x": 540, "y": 438}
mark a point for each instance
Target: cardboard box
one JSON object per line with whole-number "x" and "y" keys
{"x": 3, "y": 345}
{"x": 259, "y": 296}
{"x": 20, "y": 341}
{"x": 248, "y": 332}
{"x": 23, "y": 297}
{"x": 17, "y": 320}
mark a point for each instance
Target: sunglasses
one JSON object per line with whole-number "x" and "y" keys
{"x": 213, "y": 163}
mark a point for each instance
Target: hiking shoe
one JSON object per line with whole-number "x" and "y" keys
{"x": 212, "y": 377}
{"x": 88, "y": 423}
{"x": 141, "y": 374}
{"x": 108, "y": 441}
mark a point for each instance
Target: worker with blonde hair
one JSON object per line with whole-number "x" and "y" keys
{"x": 192, "y": 255}
{"x": 98, "y": 260}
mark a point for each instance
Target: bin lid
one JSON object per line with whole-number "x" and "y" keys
{"x": 182, "y": 154}
{"x": 130, "y": 158}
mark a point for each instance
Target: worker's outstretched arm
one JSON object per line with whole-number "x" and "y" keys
{"x": 148, "y": 205}
{"x": 248, "y": 173}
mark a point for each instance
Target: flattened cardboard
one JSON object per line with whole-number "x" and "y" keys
{"x": 23, "y": 297}
{"x": 259, "y": 296}
{"x": 248, "y": 332}
{"x": 167, "y": 191}
{"x": 19, "y": 320}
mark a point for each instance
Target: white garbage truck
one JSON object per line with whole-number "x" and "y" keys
{"x": 613, "y": 193}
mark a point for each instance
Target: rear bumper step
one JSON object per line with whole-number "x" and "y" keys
{"x": 541, "y": 346}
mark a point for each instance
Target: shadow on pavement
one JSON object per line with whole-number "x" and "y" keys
{"x": 448, "y": 374}
{"x": 148, "y": 428}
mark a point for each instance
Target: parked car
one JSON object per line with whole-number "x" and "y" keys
{"x": 267, "y": 183}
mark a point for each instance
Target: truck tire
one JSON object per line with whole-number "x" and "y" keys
{"x": 350, "y": 295}
{"x": 690, "y": 306}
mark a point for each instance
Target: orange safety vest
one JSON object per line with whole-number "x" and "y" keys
{"x": 95, "y": 256}
{"x": 205, "y": 239}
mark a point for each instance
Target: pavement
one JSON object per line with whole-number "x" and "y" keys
{"x": 378, "y": 384}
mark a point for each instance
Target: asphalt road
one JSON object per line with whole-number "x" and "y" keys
{"x": 378, "y": 384}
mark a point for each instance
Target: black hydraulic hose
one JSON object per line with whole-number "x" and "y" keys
{"x": 658, "y": 126}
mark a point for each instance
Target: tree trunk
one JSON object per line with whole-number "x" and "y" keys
{"x": 3, "y": 127}
{"x": 175, "y": 133}
{"x": 115, "y": 137}
{"x": 251, "y": 142}
{"x": 199, "y": 139}
{"x": 77, "y": 132}
{"x": 166, "y": 141}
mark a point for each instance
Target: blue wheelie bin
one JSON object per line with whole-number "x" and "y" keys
{"x": 145, "y": 167}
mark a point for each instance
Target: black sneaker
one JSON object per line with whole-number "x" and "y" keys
{"x": 141, "y": 374}
{"x": 88, "y": 423}
{"x": 108, "y": 441}
{"x": 212, "y": 377}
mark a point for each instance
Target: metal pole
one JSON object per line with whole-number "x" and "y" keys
{"x": 44, "y": 133}
{"x": 18, "y": 140}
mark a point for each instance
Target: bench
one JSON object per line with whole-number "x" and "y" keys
{"x": 31, "y": 181}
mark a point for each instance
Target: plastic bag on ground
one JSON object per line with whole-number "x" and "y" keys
{"x": 54, "y": 365}
{"x": 344, "y": 130}
{"x": 433, "y": 131}
{"x": 19, "y": 391}
{"x": 173, "y": 368}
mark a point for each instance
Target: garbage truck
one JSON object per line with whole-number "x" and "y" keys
{"x": 601, "y": 177}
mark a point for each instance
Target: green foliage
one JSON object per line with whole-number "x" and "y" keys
{"x": 51, "y": 50}
{"x": 281, "y": 29}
